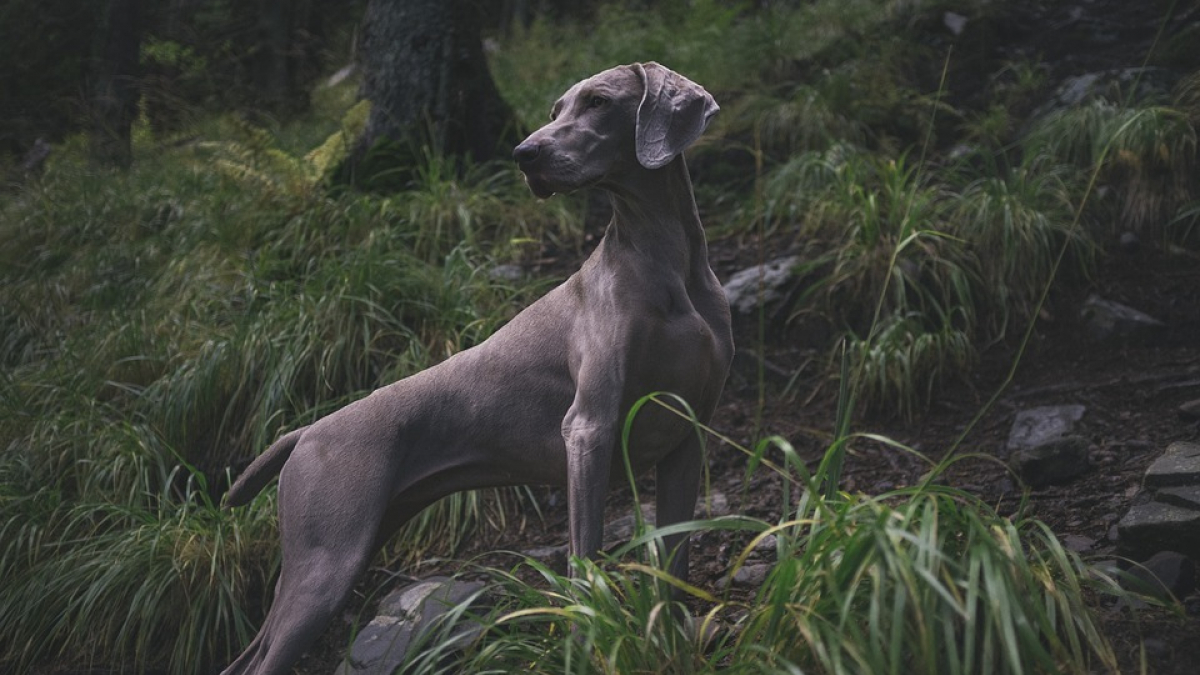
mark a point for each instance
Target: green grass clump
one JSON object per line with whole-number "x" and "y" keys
{"x": 920, "y": 580}
{"x": 1018, "y": 221}
{"x": 160, "y": 324}
{"x": 1146, "y": 154}
{"x": 159, "y": 576}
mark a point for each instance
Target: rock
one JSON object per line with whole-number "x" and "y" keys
{"x": 954, "y": 22}
{"x": 621, "y": 530}
{"x": 1078, "y": 543}
{"x": 1130, "y": 242}
{"x": 1190, "y": 411}
{"x": 1178, "y": 466}
{"x": 1042, "y": 448}
{"x": 404, "y": 617}
{"x": 1105, "y": 320}
{"x": 742, "y": 289}
{"x": 713, "y": 505}
{"x": 34, "y": 161}
{"x": 1047, "y": 424}
{"x": 507, "y": 272}
{"x": 751, "y": 575}
{"x": 747, "y": 362}
{"x": 1108, "y": 568}
{"x": 1156, "y": 648}
{"x": 767, "y": 546}
{"x": 1155, "y": 526}
{"x": 1186, "y": 496}
{"x": 1165, "y": 575}
{"x": 1110, "y": 84}
{"x": 554, "y": 557}
{"x": 1052, "y": 462}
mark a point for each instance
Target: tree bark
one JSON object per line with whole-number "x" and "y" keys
{"x": 114, "y": 90}
{"x": 427, "y": 78}
{"x": 283, "y": 29}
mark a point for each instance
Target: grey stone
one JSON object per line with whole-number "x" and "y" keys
{"x": 1130, "y": 242}
{"x": 1108, "y": 568}
{"x": 1115, "y": 84}
{"x": 1155, "y": 526}
{"x": 1179, "y": 465}
{"x": 1190, "y": 411}
{"x": 621, "y": 530}
{"x": 767, "y": 545}
{"x": 1051, "y": 462}
{"x": 751, "y": 575}
{"x": 1105, "y": 320}
{"x": 1165, "y": 575}
{"x": 1157, "y": 648}
{"x": 742, "y": 289}
{"x": 1074, "y": 90}
{"x": 954, "y": 22}
{"x": 1046, "y": 424}
{"x": 404, "y": 616}
{"x": 712, "y": 505}
{"x": 747, "y": 362}
{"x": 1185, "y": 496}
{"x": 506, "y": 273}
{"x": 554, "y": 556}
{"x": 1078, "y": 543}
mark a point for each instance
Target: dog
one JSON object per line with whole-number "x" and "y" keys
{"x": 544, "y": 399}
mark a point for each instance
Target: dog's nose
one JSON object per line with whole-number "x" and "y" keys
{"x": 527, "y": 152}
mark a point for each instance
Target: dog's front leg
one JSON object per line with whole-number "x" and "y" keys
{"x": 590, "y": 433}
{"x": 589, "y": 463}
{"x": 676, "y": 484}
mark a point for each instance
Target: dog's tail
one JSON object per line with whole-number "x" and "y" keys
{"x": 260, "y": 472}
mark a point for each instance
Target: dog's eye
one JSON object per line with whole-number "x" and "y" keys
{"x": 597, "y": 102}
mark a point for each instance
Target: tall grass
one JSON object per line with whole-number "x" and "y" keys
{"x": 1017, "y": 220}
{"x": 161, "y": 324}
{"x": 1146, "y": 153}
{"x": 893, "y": 274}
{"x": 921, "y": 580}
{"x": 148, "y": 577}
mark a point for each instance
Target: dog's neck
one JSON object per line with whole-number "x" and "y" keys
{"x": 654, "y": 213}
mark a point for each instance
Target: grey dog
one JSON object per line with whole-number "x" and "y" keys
{"x": 542, "y": 401}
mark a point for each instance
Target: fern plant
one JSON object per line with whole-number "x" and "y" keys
{"x": 257, "y": 160}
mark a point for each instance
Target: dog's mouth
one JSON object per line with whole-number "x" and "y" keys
{"x": 538, "y": 185}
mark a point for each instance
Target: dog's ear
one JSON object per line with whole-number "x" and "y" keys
{"x": 673, "y": 113}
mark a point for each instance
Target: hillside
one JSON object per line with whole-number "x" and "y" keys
{"x": 952, "y": 185}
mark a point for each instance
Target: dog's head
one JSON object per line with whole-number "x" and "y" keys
{"x": 640, "y": 116}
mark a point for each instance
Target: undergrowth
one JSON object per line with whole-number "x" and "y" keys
{"x": 926, "y": 579}
{"x": 159, "y": 325}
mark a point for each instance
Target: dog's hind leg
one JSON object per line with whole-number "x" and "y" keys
{"x": 329, "y": 531}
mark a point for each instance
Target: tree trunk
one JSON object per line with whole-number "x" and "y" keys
{"x": 428, "y": 81}
{"x": 280, "y": 55}
{"x": 114, "y": 90}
